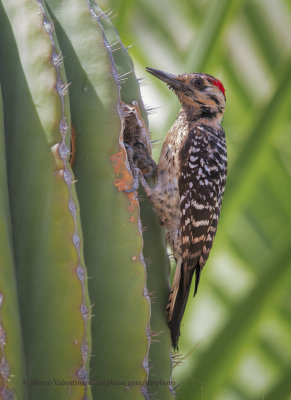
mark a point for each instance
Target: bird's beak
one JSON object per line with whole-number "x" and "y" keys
{"x": 170, "y": 79}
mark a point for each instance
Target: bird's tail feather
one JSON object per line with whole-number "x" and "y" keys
{"x": 174, "y": 291}
{"x": 178, "y": 299}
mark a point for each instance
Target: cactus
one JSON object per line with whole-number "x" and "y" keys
{"x": 63, "y": 335}
{"x": 11, "y": 354}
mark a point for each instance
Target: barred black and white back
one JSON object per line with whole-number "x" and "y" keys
{"x": 203, "y": 168}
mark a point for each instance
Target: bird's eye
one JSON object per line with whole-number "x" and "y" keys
{"x": 198, "y": 81}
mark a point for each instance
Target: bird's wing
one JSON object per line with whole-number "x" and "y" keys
{"x": 201, "y": 182}
{"x": 201, "y": 186}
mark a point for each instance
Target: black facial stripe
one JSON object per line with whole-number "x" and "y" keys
{"x": 206, "y": 112}
{"x": 202, "y": 88}
{"x": 215, "y": 99}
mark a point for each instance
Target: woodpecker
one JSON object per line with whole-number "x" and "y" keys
{"x": 190, "y": 182}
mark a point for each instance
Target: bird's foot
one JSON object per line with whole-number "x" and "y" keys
{"x": 134, "y": 170}
{"x": 139, "y": 168}
{"x": 143, "y": 159}
{"x": 135, "y": 184}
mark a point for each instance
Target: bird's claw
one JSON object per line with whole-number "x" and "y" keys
{"x": 135, "y": 184}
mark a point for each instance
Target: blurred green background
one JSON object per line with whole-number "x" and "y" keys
{"x": 236, "y": 334}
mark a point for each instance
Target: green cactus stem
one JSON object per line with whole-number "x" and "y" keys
{"x": 110, "y": 217}
{"x": 47, "y": 237}
{"x": 158, "y": 268}
{"x": 12, "y": 371}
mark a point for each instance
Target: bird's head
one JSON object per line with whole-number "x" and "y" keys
{"x": 201, "y": 94}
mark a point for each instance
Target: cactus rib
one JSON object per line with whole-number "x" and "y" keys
{"x": 12, "y": 371}
{"x": 63, "y": 153}
{"x": 46, "y": 229}
{"x": 110, "y": 218}
{"x": 125, "y": 171}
